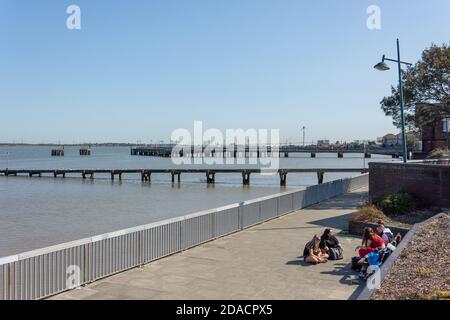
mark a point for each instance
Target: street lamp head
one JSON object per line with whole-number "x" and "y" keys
{"x": 382, "y": 66}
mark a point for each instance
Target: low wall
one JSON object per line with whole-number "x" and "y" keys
{"x": 428, "y": 182}
{"x": 44, "y": 272}
{"x": 357, "y": 228}
{"x": 367, "y": 292}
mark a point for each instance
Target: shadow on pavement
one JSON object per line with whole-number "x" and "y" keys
{"x": 339, "y": 222}
{"x": 344, "y": 270}
{"x": 291, "y": 228}
{"x": 346, "y": 201}
{"x": 299, "y": 262}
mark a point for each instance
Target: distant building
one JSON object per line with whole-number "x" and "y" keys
{"x": 390, "y": 140}
{"x": 323, "y": 143}
{"x": 436, "y": 132}
{"x": 413, "y": 139}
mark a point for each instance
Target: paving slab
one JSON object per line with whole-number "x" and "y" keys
{"x": 263, "y": 262}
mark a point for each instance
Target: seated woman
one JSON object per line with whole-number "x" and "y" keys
{"x": 328, "y": 240}
{"x": 371, "y": 242}
{"x": 312, "y": 253}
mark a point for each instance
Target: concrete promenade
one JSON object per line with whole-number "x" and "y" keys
{"x": 263, "y": 262}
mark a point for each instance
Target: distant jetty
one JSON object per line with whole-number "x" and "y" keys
{"x": 59, "y": 152}
{"x": 85, "y": 151}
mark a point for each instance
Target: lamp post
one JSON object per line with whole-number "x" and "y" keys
{"x": 382, "y": 66}
{"x": 303, "y": 129}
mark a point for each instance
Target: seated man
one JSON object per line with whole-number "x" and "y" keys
{"x": 387, "y": 234}
{"x": 384, "y": 232}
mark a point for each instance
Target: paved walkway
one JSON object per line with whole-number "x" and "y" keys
{"x": 259, "y": 263}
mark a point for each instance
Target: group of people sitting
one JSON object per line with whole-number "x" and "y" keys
{"x": 320, "y": 249}
{"x": 376, "y": 246}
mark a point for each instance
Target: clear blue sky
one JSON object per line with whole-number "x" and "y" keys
{"x": 139, "y": 69}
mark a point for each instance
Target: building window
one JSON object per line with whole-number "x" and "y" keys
{"x": 446, "y": 125}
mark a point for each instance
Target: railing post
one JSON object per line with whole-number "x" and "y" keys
{"x": 241, "y": 217}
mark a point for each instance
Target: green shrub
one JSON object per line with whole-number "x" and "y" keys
{"x": 397, "y": 203}
{"x": 369, "y": 214}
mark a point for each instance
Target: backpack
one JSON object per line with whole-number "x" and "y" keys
{"x": 336, "y": 253}
{"x": 355, "y": 265}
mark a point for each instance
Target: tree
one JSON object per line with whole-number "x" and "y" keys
{"x": 428, "y": 81}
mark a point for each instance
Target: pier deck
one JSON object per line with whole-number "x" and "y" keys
{"x": 176, "y": 173}
{"x": 252, "y": 151}
{"x": 262, "y": 262}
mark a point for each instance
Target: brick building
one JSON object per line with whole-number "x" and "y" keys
{"x": 436, "y": 131}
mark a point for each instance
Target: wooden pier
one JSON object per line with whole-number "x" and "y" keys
{"x": 176, "y": 173}
{"x": 167, "y": 151}
{"x": 85, "y": 151}
{"x": 58, "y": 152}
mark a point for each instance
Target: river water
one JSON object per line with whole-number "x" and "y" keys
{"x": 38, "y": 212}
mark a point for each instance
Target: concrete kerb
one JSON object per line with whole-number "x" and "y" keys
{"x": 367, "y": 293}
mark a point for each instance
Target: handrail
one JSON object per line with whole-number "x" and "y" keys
{"x": 42, "y": 272}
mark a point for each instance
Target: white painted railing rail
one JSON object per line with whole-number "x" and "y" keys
{"x": 44, "y": 272}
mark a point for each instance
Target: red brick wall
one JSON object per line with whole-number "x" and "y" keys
{"x": 433, "y": 136}
{"x": 428, "y": 182}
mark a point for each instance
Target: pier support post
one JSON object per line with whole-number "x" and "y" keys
{"x": 178, "y": 174}
{"x": 31, "y": 174}
{"x": 114, "y": 173}
{"x": 146, "y": 176}
{"x": 320, "y": 175}
{"x": 210, "y": 177}
{"x": 283, "y": 176}
{"x": 246, "y": 178}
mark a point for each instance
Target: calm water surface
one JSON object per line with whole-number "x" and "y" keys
{"x": 38, "y": 212}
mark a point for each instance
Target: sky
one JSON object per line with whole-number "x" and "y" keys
{"x": 138, "y": 70}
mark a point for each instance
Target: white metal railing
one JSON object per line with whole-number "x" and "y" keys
{"x": 44, "y": 272}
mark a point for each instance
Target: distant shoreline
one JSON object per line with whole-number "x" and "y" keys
{"x": 107, "y": 144}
